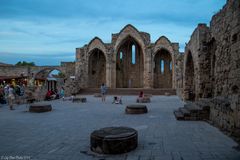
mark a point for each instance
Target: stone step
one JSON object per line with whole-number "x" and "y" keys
{"x": 204, "y": 104}
{"x": 185, "y": 112}
{"x": 194, "y": 111}
{"x": 192, "y": 107}
{"x": 178, "y": 115}
{"x": 130, "y": 91}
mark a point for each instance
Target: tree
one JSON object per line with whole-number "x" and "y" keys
{"x": 61, "y": 75}
{"x": 24, "y": 63}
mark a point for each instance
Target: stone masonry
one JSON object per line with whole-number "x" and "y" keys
{"x": 208, "y": 69}
{"x": 115, "y": 61}
{"x": 211, "y": 67}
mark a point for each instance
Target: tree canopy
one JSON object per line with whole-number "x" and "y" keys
{"x": 24, "y": 63}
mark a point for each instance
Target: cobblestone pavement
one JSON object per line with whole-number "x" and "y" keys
{"x": 64, "y": 133}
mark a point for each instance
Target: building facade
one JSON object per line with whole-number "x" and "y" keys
{"x": 129, "y": 61}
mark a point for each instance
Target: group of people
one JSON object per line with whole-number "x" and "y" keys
{"x": 116, "y": 99}
{"x": 51, "y": 94}
{"x": 8, "y": 92}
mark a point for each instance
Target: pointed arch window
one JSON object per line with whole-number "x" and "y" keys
{"x": 162, "y": 66}
{"x": 121, "y": 55}
{"x": 170, "y": 66}
{"x": 133, "y": 54}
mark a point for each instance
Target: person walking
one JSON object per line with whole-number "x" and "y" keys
{"x": 62, "y": 93}
{"x": 11, "y": 97}
{"x": 103, "y": 92}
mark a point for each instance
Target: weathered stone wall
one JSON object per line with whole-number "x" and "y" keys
{"x": 225, "y": 112}
{"x": 69, "y": 85}
{"x": 225, "y": 31}
{"x": 197, "y": 47}
{"x": 68, "y": 68}
{"x": 27, "y": 71}
{"x": 145, "y": 49}
{"x": 81, "y": 67}
{"x": 179, "y": 74}
{"x": 215, "y": 54}
{"x": 14, "y": 71}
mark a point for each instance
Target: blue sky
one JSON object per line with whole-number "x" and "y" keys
{"x": 48, "y": 31}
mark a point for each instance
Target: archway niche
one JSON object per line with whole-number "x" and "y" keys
{"x": 162, "y": 69}
{"x": 129, "y": 65}
{"x": 96, "y": 69}
{"x": 190, "y": 93}
{"x": 52, "y": 78}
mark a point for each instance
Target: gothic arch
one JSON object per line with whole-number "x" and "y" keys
{"x": 96, "y": 68}
{"x": 129, "y": 64}
{"x": 163, "y": 80}
{"x": 162, "y": 69}
{"x": 44, "y": 72}
{"x": 189, "y": 81}
{"x": 163, "y": 43}
{"x": 127, "y": 31}
{"x": 130, "y": 34}
{"x": 96, "y": 43}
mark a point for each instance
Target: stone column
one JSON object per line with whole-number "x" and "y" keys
{"x": 113, "y": 70}
{"x": 108, "y": 71}
{"x": 147, "y": 75}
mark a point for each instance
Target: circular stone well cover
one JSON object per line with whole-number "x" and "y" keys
{"x": 136, "y": 109}
{"x": 40, "y": 107}
{"x": 114, "y": 140}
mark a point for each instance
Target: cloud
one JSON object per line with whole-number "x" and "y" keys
{"x": 39, "y": 59}
{"x": 50, "y": 27}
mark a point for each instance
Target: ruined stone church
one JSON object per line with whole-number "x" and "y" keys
{"x": 131, "y": 60}
{"x": 208, "y": 69}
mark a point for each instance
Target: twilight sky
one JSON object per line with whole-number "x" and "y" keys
{"x": 48, "y": 31}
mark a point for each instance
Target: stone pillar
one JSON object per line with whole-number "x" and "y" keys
{"x": 108, "y": 71}
{"x": 113, "y": 70}
{"x": 147, "y": 75}
{"x": 173, "y": 72}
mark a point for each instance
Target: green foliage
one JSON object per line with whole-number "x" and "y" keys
{"x": 24, "y": 63}
{"x": 61, "y": 75}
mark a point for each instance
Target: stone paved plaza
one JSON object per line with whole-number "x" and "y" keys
{"x": 64, "y": 133}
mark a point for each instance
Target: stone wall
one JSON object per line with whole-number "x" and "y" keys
{"x": 139, "y": 75}
{"x": 225, "y": 32}
{"x": 215, "y": 52}
{"x": 198, "y": 50}
{"x": 67, "y": 68}
{"x": 26, "y": 70}
{"x": 14, "y": 71}
{"x": 179, "y": 74}
{"x": 225, "y": 29}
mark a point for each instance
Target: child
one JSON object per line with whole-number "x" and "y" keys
{"x": 117, "y": 100}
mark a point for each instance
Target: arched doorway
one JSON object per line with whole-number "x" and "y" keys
{"x": 189, "y": 78}
{"x": 96, "y": 68}
{"x": 162, "y": 69}
{"x": 52, "y": 79}
{"x": 129, "y": 65}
